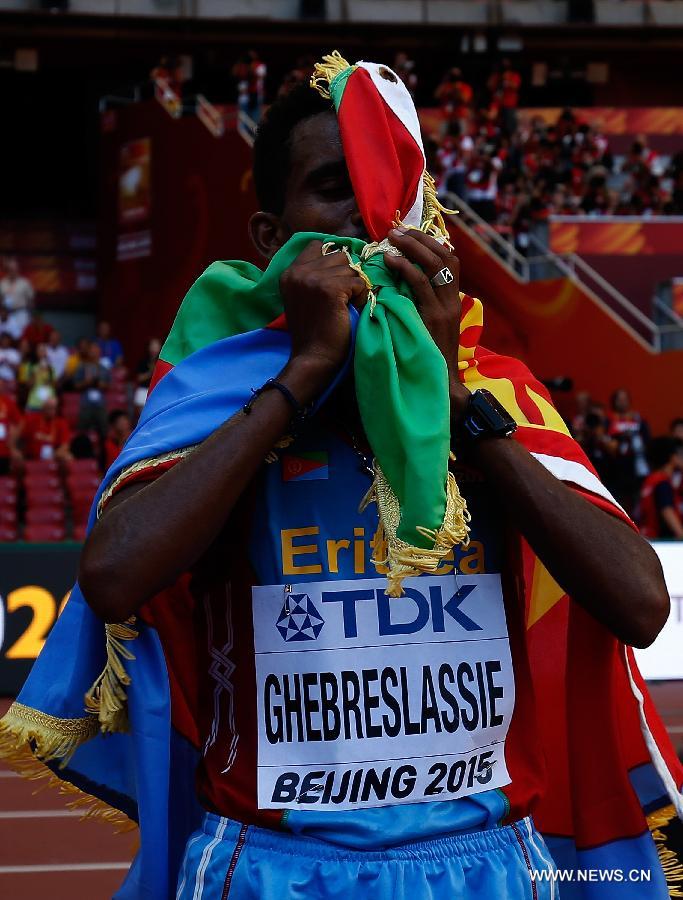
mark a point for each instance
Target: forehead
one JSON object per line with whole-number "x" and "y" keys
{"x": 314, "y": 142}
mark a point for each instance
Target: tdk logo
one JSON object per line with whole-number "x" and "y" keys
{"x": 407, "y": 614}
{"x": 299, "y": 620}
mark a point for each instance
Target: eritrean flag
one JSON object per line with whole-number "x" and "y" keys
{"x": 613, "y": 779}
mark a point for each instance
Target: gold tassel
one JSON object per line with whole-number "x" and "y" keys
{"x": 324, "y": 72}
{"x": 51, "y": 738}
{"x": 401, "y": 559}
{"x": 432, "y": 211}
{"x": 669, "y": 859}
{"x": 106, "y": 699}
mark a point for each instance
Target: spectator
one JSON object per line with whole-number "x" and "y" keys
{"x": 505, "y": 85}
{"x": 37, "y": 331}
{"x": 455, "y": 98}
{"x": 57, "y": 355}
{"x": 10, "y": 424}
{"x": 659, "y": 513}
{"x": 250, "y": 73}
{"x": 46, "y": 435}
{"x": 91, "y": 379}
{"x": 77, "y": 358}
{"x": 37, "y": 378}
{"x": 676, "y": 429}
{"x": 111, "y": 350}
{"x": 18, "y": 295}
{"x": 10, "y": 358}
{"x": 120, "y": 428}
{"x": 8, "y": 325}
{"x": 631, "y": 434}
{"x": 405, "y": 69}
{"x": 145, "y": 372}
{"x": 599, "y": 447}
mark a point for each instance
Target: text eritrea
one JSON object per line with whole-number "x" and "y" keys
{"x": 373, "y": 703}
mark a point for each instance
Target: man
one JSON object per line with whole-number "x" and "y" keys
{"x": 10, "y": 358}
{"x": 111, "y": 351}
{"x": 632, "y": 435}
{"x": 10, "y": 424}
{"x": 37, "y": 331}
{"x": 91, "y": 379}
{"x": 189, "y": 517}
{"x": 659, "y": 502}
{"x": 18, "y": 296}
{"x": 57, "y": 355}
{"x": 47, "y": 435}
{"x": 302, "y": 684}
{"x": 119, "y": 431}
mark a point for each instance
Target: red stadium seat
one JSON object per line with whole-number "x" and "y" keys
{"x": 41, "y": 467}
{"x": 47, "y": 533}
{"x": 80, "y": 532}
{"x": 45, "y": 515}
{"x": 42, "y": 482}
{"x": 7, "y": 533}
{"x": 76, "y": 466}
{"x": 116, "y": 400}
{"x": 81, "y": 483}
{"x": 8, "y": 516}
{"x": 71, "y": 404}
{"x": 45, "y": 497}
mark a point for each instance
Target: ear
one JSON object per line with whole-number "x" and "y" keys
{"x": 266, "y": 233}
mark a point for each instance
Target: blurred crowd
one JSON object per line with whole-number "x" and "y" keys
{"x": 60, "y": 402}
{"x": 644, "y": 473}
{"x": 517, "y": 171}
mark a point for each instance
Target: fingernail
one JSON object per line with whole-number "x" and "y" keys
{"x": 399, "y": 232}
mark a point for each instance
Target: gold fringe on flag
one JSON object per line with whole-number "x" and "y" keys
{"x": 332, "y": 64}
{"x": 670, "y": 859}
{"x": 29, "y": 739}
{"x": 401, "y": 560}
{"x": 107, "y": 698}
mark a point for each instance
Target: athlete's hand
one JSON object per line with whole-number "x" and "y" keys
{"x": 439, "y": 307}
{"x": 316, "y": 291}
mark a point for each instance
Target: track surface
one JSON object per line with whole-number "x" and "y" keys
{"x": 47, "y": 852}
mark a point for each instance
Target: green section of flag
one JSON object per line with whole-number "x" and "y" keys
{"x": 401, "y": 376}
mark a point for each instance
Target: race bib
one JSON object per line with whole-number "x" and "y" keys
{"x": 47, "y": 451}
{"x": 364, "y": 700}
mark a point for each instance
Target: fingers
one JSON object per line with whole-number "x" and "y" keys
{"x": 424, "y": 251}
{"x": 417, "y": 281}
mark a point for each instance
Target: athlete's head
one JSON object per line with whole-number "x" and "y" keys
{"x": 300, "y": 174}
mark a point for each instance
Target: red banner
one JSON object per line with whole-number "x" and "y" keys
{"x": 618, "y": 236}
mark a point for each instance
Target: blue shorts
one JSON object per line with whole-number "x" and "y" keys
{"x": 228, "y": 861}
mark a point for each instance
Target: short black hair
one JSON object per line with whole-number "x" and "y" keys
{"x": 661, "y": 450}
{"x": 272, "y": 144}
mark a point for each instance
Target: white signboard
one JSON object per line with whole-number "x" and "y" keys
{"x": 664, "y": 659}
{"x": 366, "y": 700}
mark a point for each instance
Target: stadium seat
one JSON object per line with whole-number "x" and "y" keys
{"x": 45, "y": 497}
{"x": 7, "y": 533}
{"x": 71, "y": 404}
{"x": 80, "y": 532}
{"x": 42, "y": 481}
{"x": 116, "y": 400}
{"x": 76, "y": 466}
{"x": 8, "y": 490}
{"x": 81, "y": 483}
{"x": 41, "y": 467}
{"x": 45, "y": 532}
{"x": 44, "y": 515}
{"x": 8, "y": 516}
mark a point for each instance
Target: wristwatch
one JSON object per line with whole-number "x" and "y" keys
{"x": 485, "y": 417}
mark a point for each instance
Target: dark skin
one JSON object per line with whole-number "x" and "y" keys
{"x": 603, "y": 564}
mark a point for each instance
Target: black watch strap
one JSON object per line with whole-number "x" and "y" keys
{"x": 485, "y": 417}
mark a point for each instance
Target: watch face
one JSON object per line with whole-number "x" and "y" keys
{"x": 492, "y": 414}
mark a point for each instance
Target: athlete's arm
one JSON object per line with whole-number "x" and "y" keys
{"x": 148, "y": 535}
{"x": 599, "y": 560}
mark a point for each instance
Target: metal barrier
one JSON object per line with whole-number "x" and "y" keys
{"x": 545, "y": 264}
